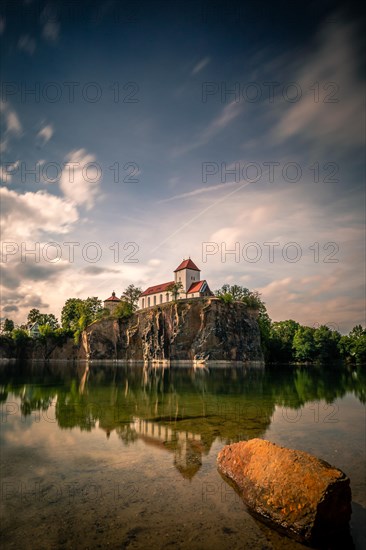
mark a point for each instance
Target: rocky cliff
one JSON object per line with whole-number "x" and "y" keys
{"x": 185, "y": 330}
{"x": 39, "y": 349}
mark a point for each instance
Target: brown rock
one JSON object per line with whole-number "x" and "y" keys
{"x": 292, "y": 490}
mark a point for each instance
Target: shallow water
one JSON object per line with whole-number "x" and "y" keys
{"x": 118, "y": 456}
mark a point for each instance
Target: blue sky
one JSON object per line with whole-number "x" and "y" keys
{"x": 183, "y": 129}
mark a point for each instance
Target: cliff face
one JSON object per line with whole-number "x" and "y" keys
{"x": 185, "y": 330}
{"x": 39, "y": 350}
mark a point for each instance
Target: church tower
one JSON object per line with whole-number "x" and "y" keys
{"x": 187, "y": 273}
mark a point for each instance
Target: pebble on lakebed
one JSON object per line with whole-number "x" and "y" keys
{"x": 294, "y": 491}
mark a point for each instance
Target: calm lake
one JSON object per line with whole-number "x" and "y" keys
{"x": 121, "y": 456}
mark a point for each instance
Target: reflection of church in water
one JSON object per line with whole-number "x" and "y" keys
{"x": 187, "y": 447}
{"x": 179, "y": 411}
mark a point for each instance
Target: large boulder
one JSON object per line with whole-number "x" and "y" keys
{"x": 292, "y": 490}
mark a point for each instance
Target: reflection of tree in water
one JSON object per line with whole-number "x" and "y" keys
{"x": 33, "y": 398}
{"x": 182, "y": 410}
{"x": 298, "y": 386}
{"x": 3, "y": 394}
{"x": 32, "y": 403}
{"x": 127, "y": 434}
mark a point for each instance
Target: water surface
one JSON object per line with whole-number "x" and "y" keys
{"x": 121, "y": 456}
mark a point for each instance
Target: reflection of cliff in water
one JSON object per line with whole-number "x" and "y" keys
{"x": 179, "y": 410}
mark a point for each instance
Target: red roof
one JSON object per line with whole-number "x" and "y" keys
{"x": 196, "y": 287}
{"x": 113, "y": 298}
{"x": 187, "y": 264}
{"x": 157, "y": 288}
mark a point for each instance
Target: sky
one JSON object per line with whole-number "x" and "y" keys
{"x": 134, "y": 135}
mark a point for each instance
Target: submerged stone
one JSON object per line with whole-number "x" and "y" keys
{"x": 292, "y": 490}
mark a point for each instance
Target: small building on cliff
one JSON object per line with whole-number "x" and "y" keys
{"x": 112, "y": 302}
{"x": 187, "y": 283}
{"x": 33, "y": 330}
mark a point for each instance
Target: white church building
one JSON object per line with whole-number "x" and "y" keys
{"x": 188, "y": 274}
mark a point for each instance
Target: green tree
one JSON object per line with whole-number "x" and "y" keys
{"x": 71, "y": 313}
{"x": 227, "y": 298}
{"x": 82, "y": 323}
{"x": 77, "y": 314}
{"x": 20, "y": 336}
{"x": 91, "y": 308}
{"x": 353, "y": 346}
{"x": 46, "y": 330}
{"x": 175, "y": 289}
{"x": 123, "y": 310}
{"x": 359, "y": 349}
{"x": 281, "y": 339}
{"x": 357, "y": 332}
{"x": 264, "y": 323}
{"x": 131, "y": 295}
{"x": 8, "y": 325}
{"x": 303, "y": 344}
{"x": 102, "y": 313}
{"x": 326, "y": 343}
{"x": 34, "y": 316}
{"x": 237, "y": 293}
{"x": 50, "y": 320}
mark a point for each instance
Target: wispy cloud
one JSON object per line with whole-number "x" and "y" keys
{"x": 199, "y": 215}
{"x": 332, "y": 93}
{"x": 50, "y": 24}
{"x": 51, "y": 31}
{"x": 200, "y": 65}
{"x": 228, "y": 114}
{"x": 80, "y": 180}
{"x": 13, "y": 125}
{"x": 201, "y": 190}
{"x": 27, "y": 44}
{"x": 3, "y": 145}
{"x": 96, "y": 270}
{"x": 45, "y": 133}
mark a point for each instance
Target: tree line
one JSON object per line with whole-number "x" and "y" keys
{"x": 76, "y": 315}
{"x": 282, "y": 341}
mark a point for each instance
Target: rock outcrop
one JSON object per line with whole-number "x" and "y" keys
{"x": 184, "y": 330}
{"x": 292, "y": 490}
{"x": 37, "y": 349}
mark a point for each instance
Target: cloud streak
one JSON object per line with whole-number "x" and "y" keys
{"x": 200, "y": 65}
{"x": 227, "y": 115}
{"x": 332, "y": 98}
